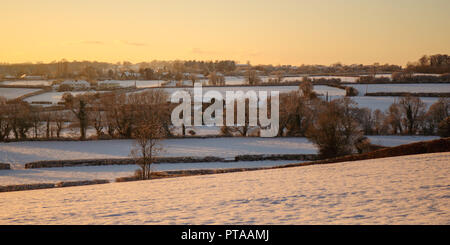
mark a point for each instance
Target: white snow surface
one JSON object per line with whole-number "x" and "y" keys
{"x": 27, "y": 83}
{"x": 19, "y": 153}
{"x": 111, "y": 172}
{"x": 411, "y": 189}
{"x": 383, "y": 102}
{"x": 395, "y": 140}
{"x": 407, "y": 88}
{"x": 55, "y": 97}
{"x": 13, "y": 93}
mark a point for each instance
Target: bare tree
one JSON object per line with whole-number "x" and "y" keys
{"x": 47, "y": 117}
{"x": 5, "y": 126}
{"x": 436, "y": 114}
{"x": 295, "y": 114}
{"x": 147, "y": 146}
{"x": 279, "y": 75}
{"x": 252, "y": 77}
{"x": 216, "y": 79}
{"x": 78, "y": 105}
{"x": 97, "y": 117}
{"x": 307, "y": 88}
{"x": 414, "y": 110}
{"x": 379, "y": 122}
{"x": 444, "y": 128}
{"x": 19, "y": 118}
{"x": 394, "y": 119}
{"x": 60, "y": 117}
{"x": 335, "y": 131}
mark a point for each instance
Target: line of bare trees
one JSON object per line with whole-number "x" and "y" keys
{"x": 438, "y": 63}
{"x": 112, "y": 115}
{"x": 338, "y": 127}
{"x": 19, "y": 120}
{"x": 118, "y": 114}
{"x": 409, "y": 115}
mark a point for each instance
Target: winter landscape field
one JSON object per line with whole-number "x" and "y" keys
{"x": 224, "y": 113}
{"x": 19, "y": 153}
{"x": 14, "y": 93}
{"x": 373, "y": 102}
{"x": 383, "y": 102}
{"x": 399, "y": 190}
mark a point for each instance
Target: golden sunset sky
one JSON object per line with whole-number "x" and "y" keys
{"x": 261, "y": 31}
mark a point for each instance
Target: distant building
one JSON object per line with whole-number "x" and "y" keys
{"x": 108, "y": 84}
{"x": 70, "y": 85}
{"x": 34, "y": 77}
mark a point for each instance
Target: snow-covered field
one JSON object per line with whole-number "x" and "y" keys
{"x": 401, "y": 190}
{"x": 409, "y": 88}
{"x": 54, "y": 97}
{"x": 111, "y": 172}
{"x": 19, "y": 153}
{"x": 27, "y": 83}
{"x": 375, "y": 102}
{"x": 320, "y": 89}
{"x": 395, "y": 140}
{"x": 13, "y": 93}
{"x": 383, "y": 102}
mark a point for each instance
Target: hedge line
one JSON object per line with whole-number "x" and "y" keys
{"x": 400, "y": 94}
{"x": 5, "y": 166}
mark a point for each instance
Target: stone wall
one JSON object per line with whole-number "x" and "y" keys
{"x": 125, "y": 161}
{"x": 50, "y": 185}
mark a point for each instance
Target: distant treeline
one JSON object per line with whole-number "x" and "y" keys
{"x": 439, "y": 63}
{"x": 179, "y": 70}
{"x": 405, "y": 77}
{"x": 166, "y": 70}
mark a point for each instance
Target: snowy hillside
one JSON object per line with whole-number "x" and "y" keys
{"x": 402, "y": 190}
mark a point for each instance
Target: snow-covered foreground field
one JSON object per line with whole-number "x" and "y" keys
{"x": 111, "y": 172}
{"x": 402, "y": 190}
{"x": 19, "y": 153}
